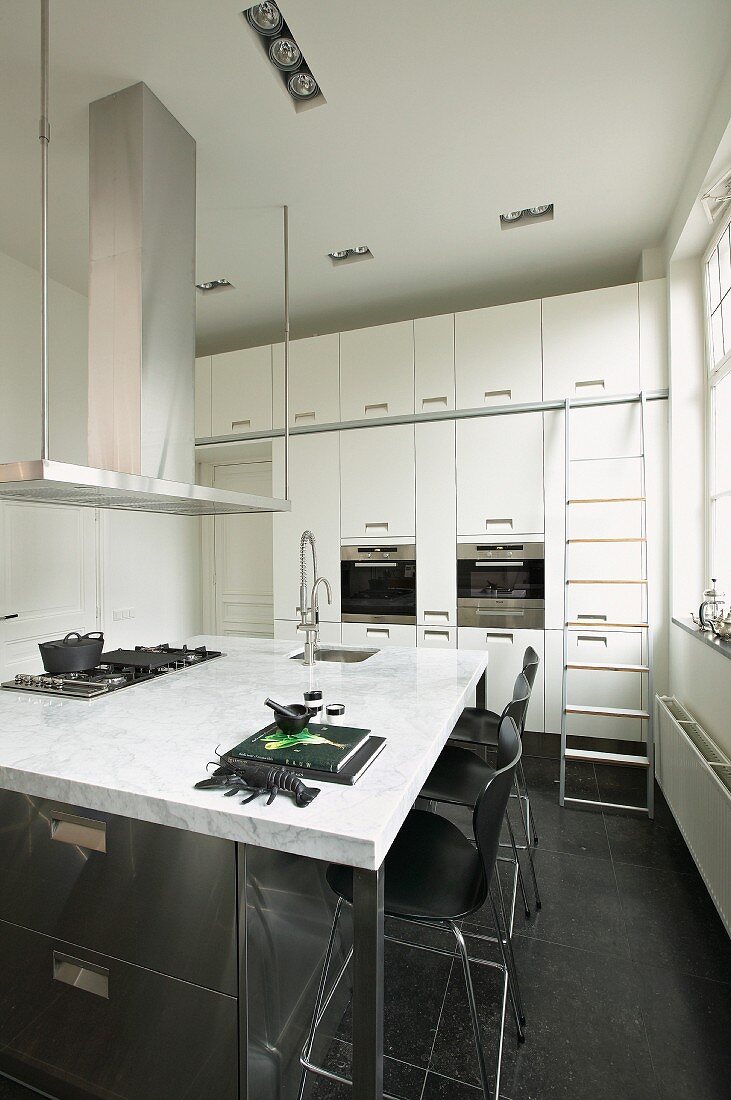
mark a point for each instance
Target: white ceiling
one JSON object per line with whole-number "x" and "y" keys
{"x": 439, "y": 116}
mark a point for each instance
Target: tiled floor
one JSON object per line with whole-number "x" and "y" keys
{"x": 625, "y": 972}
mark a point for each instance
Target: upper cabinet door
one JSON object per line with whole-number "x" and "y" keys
{"x": 377, "y": 482}
{"x": 434, "y": 363}
{"x": 377, "y": 371}
{"x": 436, "y": 525}
{"x": 500, "y": 475}
{"x": 314, "y": 381}
{"x": 591, "y": 343}
{"x": 203, "y": 397}
{"x": 241, "y": 391}
{"x": 497, "y": 355}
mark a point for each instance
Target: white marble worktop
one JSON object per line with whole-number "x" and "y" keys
{"x": 139, "y": 752}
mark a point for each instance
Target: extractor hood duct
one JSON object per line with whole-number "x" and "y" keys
{"x": 141, "y": 320}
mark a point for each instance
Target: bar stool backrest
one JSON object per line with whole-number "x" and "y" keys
{"x": 517, "y": 707}
{"x": 531, "y": 661}
{"x": 490, "y": 808}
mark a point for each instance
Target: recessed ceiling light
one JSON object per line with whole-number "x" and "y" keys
{"x": 285, "y": 54}
{"x": 346, "y": 255}
{"x": 527, "y": 214}
{"x": 213, "y": 284}
{"x": 339, "y": 255}
{"x": 303, "y": 85}
{"x": 265, "y": 18}
{"x": 536, "y": 211}
{"x": 513, "y": 215}
{"x": 361, "y": 249}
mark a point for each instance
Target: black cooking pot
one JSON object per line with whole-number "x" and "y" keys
{"x": 74, "y": 653}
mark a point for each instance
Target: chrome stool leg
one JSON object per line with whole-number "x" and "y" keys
{"x": 509, "y": 958}
{"x": 307, "y": 1051}
{"x": 529, "y": 847}
{"x": 521, "y": 881}
{"x": 531, "y": 815}
{"x": 473, "y": 1010}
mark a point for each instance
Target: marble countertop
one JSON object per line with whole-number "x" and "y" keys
{"x": 139, "y": 752}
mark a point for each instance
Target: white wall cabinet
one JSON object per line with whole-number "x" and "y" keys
{"x": 242, "y": 391}
{"x": 377, "y": 483}
{"x": 314, "y": 381}
{"x": 594, "y": 688}
{"x": 436, "y": 525}
{"x": 497, "y": 355}
{"x": 378, "y": 635}
{"x": 591, "y": 343}
{"x": 500, "y": 475}
{"x": 436, "y": 637}
{"x": 377, "y": 371}
{"x": 314, "y": 489}
{"x": 505, "y": 650}
{"x": 203, "y": 394}
{"x": 434, "y": 363}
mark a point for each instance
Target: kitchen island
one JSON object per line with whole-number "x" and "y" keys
{"x": 174, "y": 929}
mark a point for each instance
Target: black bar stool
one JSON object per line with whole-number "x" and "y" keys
{"x": 435, "y": 876}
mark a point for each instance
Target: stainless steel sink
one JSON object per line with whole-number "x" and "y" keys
{"x": 337, "y": 654}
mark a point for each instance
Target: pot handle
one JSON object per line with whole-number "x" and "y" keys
{"x": 73, "y": 634}
{"x": 94, "y": 636}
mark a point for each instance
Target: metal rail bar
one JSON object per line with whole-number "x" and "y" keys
{"x": 440, "y": 414}
{"x": 44, "y": 135}
{"x": 286, "y": 350}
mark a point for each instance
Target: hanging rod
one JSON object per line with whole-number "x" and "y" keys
{"x": 441, "y": 414}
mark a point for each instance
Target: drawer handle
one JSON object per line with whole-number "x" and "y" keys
{"x": 592, "y": 638}
{"x": 588, "y": 617}
{"x": 498, "y": 523}
{"x": 490, "y": 637}
{"x": 81, "y": 975}
{"x": 590, "y": 384}
{"x": 432, "y": 402}
{"x": 513, "y": 611}
{"x": 379, "y": 630}
{"x": 237, "y": 425}
{"x": 304, "y": 416}
{"x": 376, "y": 527}
{"x": 437, "y": 616}
{"x": 382, "y": 408}
{"x": 81, "y": 832}
{"x": 436, "y": 634}
{"x": 497, "y": 395}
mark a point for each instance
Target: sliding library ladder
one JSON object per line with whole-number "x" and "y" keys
{"x": 643, "y": 715}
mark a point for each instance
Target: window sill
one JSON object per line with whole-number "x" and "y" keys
{"x": 722, "y": 647}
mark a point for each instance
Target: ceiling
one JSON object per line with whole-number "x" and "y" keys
{"x": 438, "y": 116}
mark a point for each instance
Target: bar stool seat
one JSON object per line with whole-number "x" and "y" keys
{"x": 477, "y": 727}
{"x": 432, "y": 871}
{"x": 458, "y": 777}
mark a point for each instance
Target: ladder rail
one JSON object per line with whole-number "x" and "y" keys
{"x": 565, "y": 632}
{"x": 650, "y": 684}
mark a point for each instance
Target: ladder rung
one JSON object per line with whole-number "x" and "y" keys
{"x": 607, "y": 712}
{"x": 582, "y": 581}
{"x": 586, "y": 665}
{"x": 634, "y": 539}
{"x": 596, "y": 756}
{"x": 605, "y": 500}
{"x": 605, "y": 626}
{"x": 606, "y": 805}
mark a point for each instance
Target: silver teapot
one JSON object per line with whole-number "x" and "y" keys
{"x": 721, "y": 627}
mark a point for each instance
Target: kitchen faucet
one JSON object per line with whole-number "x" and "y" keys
{"x": 309, "y": 616}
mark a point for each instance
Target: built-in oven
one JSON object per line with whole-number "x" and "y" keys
{"x": 378, "y": 584}
{"x": 501, "y": 585}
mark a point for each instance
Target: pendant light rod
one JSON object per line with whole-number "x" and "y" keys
{"x": 44, "y": 134}
{"x": 286, "y": 350}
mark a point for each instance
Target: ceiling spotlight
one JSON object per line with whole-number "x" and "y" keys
{"x": 302, "y": 85}
{"x": 265, "y": 18}
{"x": 340, "y": 254}
{"x": 512, "y": 216}
{"x": 536, "y": 211}
{"x": 285, "y": 54}
{"x": 360, "y": 249}
{"x": 213, "y": 284}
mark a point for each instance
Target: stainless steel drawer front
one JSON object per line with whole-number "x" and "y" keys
{"x": 524, "y": 617}
{"x": 81, "y": 832}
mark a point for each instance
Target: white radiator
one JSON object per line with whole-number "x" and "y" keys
{"x": 695, "y": 776}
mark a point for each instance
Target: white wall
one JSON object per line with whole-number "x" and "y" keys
{"x": 144, "y": 561}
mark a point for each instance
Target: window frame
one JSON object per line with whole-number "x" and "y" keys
{"x": 714, "y": 373}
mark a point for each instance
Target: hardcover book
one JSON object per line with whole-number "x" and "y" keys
{"x": 321, "y": 747}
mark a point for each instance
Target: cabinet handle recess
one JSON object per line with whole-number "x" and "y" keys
{"x": 498, "y": 523}
{"x": 304, "y": 416}
{"x": 382, "y": 408}
{"x": 430, "y": 402}
{"x": 81, "y": 975}
{"x": 496, "y": 395}
{"x": 237, "y": 425}
{"x": 437, "y": 616}
{"x": 376, "y": 526}
{"x": 587, "y": 617}
{"x": 81, "y": 832}
{"x": 381, "y": 630}
{"x": 592, "y": 638}
{"x": 590, "y": 384}
{"x": 436, "y": 633}
{"x": 490, "y": 637}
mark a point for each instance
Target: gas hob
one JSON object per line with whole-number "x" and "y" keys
{"x": 120, "y": 668}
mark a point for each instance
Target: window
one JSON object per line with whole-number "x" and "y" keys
{"x": 718, "y": 316}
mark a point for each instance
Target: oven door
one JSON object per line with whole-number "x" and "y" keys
{"x": 501, "y": 587}
{"x": 378, "y": 584}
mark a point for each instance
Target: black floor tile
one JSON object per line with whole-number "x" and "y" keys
{"x": 446, "y": 1088}
{"x": 571, "y": 829}
{"x": 581, "y": 906}
{"x": 626, "y": 786}
{"x": 542, "y": 775}
{"x": 672, "y": 922}
{"x": 9, "y": 1090}
{"x": 657, "y": 843}
{"x": 414, "y": 981}
{"x": 688, "y": 1024}
{"x": 399, "y": 1079}
{"x": 584, "y": 1037}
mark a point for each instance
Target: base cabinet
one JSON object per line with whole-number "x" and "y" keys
{"x": 505, "y": 650}
{"x": 379, "y": 634}
{"x": 436, "y": 637}
{"x": 74, "y": 1023}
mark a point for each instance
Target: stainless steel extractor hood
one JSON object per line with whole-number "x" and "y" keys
{"x": 141, "y": 320}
